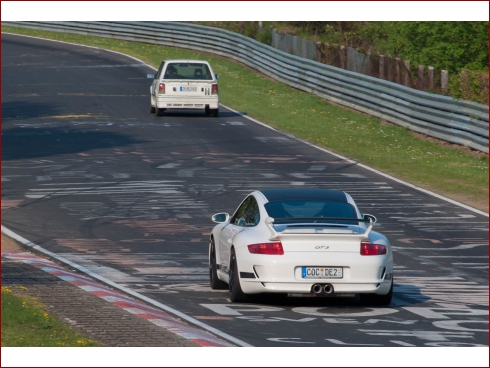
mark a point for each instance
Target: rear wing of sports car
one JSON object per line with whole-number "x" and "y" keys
{"x": 314, "y": 222}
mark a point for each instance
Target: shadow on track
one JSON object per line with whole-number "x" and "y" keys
{"x": 199, "y": 113}
{"x": 25, "y": 143}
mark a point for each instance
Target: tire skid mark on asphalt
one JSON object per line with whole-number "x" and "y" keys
{"x": 150, "y": 272}
{"x": 133, "y": 306}
{"x": 11, "y": 203}
{"x": 442, "y": 289}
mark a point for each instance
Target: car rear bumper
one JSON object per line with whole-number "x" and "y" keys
{"x": 282, "y": 274}
{"x": 187, "y": 103}
{"x": 257, "y": 287}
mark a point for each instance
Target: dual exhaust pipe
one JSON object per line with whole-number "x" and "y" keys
{"x": 319, "y": 289}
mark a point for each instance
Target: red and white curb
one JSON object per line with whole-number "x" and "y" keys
{"x": 158, "y": 317}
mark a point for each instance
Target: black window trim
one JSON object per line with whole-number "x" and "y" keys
{"x": 233, "y": 218}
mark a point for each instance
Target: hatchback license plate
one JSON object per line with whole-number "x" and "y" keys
{"x": 188, "y": 89}
{"x": 322, "y": 272}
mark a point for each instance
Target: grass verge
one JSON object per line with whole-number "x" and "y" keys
{"x": 25, "y": 323}
{"x": 451, "y": 170}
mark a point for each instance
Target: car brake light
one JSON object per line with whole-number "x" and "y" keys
{"x": 266, "y": 248}
{"x": 161, "y": 88}
{"x": 368, "y": 249}
{"x": 214, "y": 89}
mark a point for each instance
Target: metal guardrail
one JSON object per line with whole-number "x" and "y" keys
{"x": 456, "y": 121}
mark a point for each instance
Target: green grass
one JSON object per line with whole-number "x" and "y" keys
{"x": 25, "y": 323}
{"x": 450, "y": 170}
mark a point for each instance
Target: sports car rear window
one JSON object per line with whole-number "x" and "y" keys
{"x": 310, "y": 209}
{"x": 191, "y": 71}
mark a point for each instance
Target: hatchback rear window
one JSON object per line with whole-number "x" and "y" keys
{"x": 190, "y": 71}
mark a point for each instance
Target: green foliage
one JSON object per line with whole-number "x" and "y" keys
{"x": 265, "y": 35}
{"x": 249, "y": 29}
{"x": 471, "y": 85}
{"x": 459, "y": 47}
{"x": 449, "y": 46}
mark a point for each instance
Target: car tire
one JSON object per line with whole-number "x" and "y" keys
{"x": 374, "y": 299}
{"x": 234, "y": 287}
{"x": 214, "y": 281}
{"x": 160, "y": 112}
{"x": 152, "y": 109}
{"x": 214, "y": 112}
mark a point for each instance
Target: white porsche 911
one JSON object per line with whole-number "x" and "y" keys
{"x": 300, "y": 241}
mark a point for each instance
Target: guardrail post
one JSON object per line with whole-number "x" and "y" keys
{"x": 431, "y": 78}
{"x": 420, "y": 78}
{"x": 398, "y": 78}
{"x": 381, "y": 67}
{"x": 325, "y": 53}
{"x": 406, "y": 81}
{"x": 390, "y": 68}
{"x": 369, "y": 64}
{"x": 444, "y": 80}
{"x": 343, "y": 53}
{"x": 304, "y": 45}
{"x": 319, "y": 52}
{"x": 295, "y": 45}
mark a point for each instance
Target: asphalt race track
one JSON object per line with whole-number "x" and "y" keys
{"x": 89, "y": 174}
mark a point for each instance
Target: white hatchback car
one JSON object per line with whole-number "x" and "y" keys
{"x": 184, "y": 84}
{"x": 300, "y": 241}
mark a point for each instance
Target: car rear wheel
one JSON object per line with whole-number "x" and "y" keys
{"x": 214, "y": 281}
{"x": 236, "y": 293}
{"x": 153, "y": 109}
{"x": 374, "y": 299}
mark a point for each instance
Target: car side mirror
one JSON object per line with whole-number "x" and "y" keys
{"x": 369, "y": 217}
{"x": 151, "y": 76}
{"x": 216, "y": 76}
{"x": 220, "y": 218}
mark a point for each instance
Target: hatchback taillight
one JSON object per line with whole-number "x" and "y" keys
{"x": 161, "y": 88}
{"x": 266, "y": 248}
{"x": 368, "y": 249}
{"x": 214, "y": 89}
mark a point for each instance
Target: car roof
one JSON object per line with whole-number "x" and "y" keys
{"x": 284, "y": 194}
{"x": 185, "y": 61}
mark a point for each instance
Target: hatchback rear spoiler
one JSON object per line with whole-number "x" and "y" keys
{"x": 269, "y": 221}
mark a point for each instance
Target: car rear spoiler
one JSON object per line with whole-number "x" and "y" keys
{"x": 269, "y": 221}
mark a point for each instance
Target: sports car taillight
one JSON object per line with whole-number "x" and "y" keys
{"x": 214, "y": 89}
{"x": 161, "y": 88}
{"x": 266, "y": 248}
{"x": 368, "y": 249}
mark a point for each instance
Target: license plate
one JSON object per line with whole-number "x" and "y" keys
{"x": 188, "y": 89}
{"x": 322, "y": 272}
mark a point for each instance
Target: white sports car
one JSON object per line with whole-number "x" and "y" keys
{"x": 300, "y": 241}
